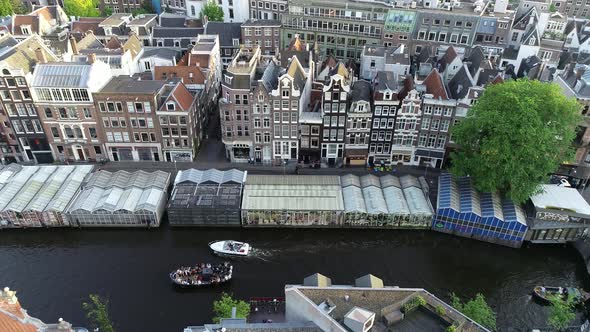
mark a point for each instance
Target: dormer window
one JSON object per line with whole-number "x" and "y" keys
{"x": 25, "y": 29}
{"x": 176, "y": 43}
{"x": 285, "y": 93}
{"x": 170, "y": 106}
{"x": 108, "y": 31}
{"x": 227, "y": 79}
{"x": 236, "y": 42}
{"x": 387, "y": 95}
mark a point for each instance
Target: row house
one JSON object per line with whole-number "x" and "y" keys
{"x": 335, "y": 107}
{"x": 268, "y": 9}
{"x": 388, "y": 91}
{"x": 264, "y": 33}
{"x": 120, "y": 26}
{"x": 63, "y": 93}
{"x": 122, "y": 58}
{"x": 310, "y": 128}
{"x": 438, "y": 111}
{"x": 23, "y": 136}
{"x": 230, "y": 39}
{"x": 234, "y": 105}
{"x": 290, "y": 97}
{"x": 358, "y": 124}
{"x": 153, "y": 57}
{"x": 390, "y": 59}
{"x": 145, "y": 120}
{"x": 126, "y": 6}
{"x": 179, "y": 117}
{"x": 176, "y": 31}
{"x": 200, "y": 70}
{"x": 43, "y": 21}
{"x": 407, "y": 122}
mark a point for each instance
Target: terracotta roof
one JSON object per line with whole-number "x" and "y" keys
{"x": 435, "y": 86}
{"x": 330, "y": 62}
{"x": 497, "y": 80}
{"x": 449, "y": 56}
{"x": 183, "y": 72}
{"x": 114, "y": 43}
{"x": 12, "y": 318}
{"x": 19, "y": 20}
{"x": 87, "y": 24}
{"x": 200, "y": 60}
{"x": 181, "y": 97}
{"x": 89, "y": 41}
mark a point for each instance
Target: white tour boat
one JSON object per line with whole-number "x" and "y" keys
{"x": 230, "y": 247}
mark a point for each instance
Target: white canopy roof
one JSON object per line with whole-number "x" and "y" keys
{"x": 556, "y": 198}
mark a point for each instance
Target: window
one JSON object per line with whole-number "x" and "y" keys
{"x": 48, "y": 113}
{"x": 426, "y": 123}
{"x": 87, "y": 113}
{"x": 285, "y": 93}
{"x": 55, "y": 132}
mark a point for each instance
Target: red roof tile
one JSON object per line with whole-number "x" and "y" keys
{"x": 435, "y": 86}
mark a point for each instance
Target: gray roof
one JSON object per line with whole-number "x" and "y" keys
{"x": 161, "y": 52}
{"x": 361, "y": 91}
{"x": 166, "y": 32}
{"x": 125, "y": 84}
{"x": 62, "y": 74}
{"x": 226, "y": 31}
{"x": 387, "y": 80}
{"x": 210, "y": 176}
{"x": 368, "y": 281}
{"x": 317, "y": 280}
{"x": 261, "y": 23}
{"x": 172, "y": 20}
{"x": 270, "y": 78}
{"x": 122, "y": 191}
{"x": 142, "y": 19}
{"x": 40, "y": 188}
{"x": 476, "y": 57}
{"x": 460, "y": 83}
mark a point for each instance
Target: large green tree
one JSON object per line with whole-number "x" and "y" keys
{"x": 514, "y": 136}
{"x": 213, "y": 11}
{"x": 97, "y": 312}
{"x": 81, "y": 8}
{"x": 6, "y": 8}
{"x": 476, "y": 309}
{"x": 562, "y": 313}
{"x": 223, "y": 308}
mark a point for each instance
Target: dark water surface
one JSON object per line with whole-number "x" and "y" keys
{"x": 54, "y": 270}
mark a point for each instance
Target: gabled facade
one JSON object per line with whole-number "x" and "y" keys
{"x": 335, "y": 107}
{"x": 388, "y": 91}
{"x": 24, "y": 138}
{"x": 358, "y": 124}
{"x": 179, "y": 114}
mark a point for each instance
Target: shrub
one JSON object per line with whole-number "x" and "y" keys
{"x": 413, "y": 304}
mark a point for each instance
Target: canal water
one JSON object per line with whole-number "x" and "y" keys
{"x": 55, "y": 270}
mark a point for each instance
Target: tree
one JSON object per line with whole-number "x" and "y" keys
{"x": 213, "y": 12}
{"x": 107, "y": 11}
{"x": 223, "y": 308}
{"x": 81, "y": 8}
{"x": 476, "y": 309}
{"x": 97, "y": 312}
{"x": 514, "y": 136}
{"x": 552, "y": 8}
{"x": 562, "y": 313}
{"x": 6, "y": 8}
{"x": 18, "y": 7}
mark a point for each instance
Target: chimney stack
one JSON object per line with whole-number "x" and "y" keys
{"x": 91, "y": 58}
{"x": 41, "y": 57}
{"x": 579, "y": 73}
{"x": 74, "y": 45}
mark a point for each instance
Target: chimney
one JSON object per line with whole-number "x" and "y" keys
{"x": 41, "y": 57}
{"x": 91, "y": 58}
{"x": 74, "y": 45}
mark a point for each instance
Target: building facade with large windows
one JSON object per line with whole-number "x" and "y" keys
{"x": 63, "y": 93}
{"x": 340, "y": 28}
{"x": 335, "y": 107}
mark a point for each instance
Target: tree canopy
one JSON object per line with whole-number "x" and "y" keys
{"x": 514, "y": 136}
{"x": 6, "y": 8}
{"x": 223, "y": 308}
{"x": 97, "y": 312}
{"x": 476, "y": 309}
{"x": 213, "y": 11}
{"x": 562, "y": 313}
{"x": 81, "y": 8}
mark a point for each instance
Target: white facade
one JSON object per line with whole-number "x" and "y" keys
{"x": 233, "y": 10}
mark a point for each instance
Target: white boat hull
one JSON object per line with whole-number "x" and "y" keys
{"x": 223, "y": 248}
